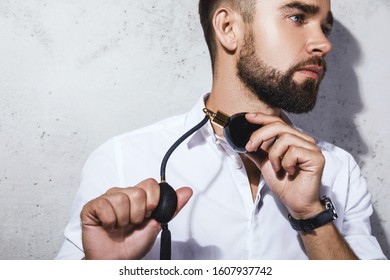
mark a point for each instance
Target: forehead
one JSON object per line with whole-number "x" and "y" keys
{"x": 310, "y": 6}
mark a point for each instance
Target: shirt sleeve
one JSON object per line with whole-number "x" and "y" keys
{"x": 356, "y": 226}
{"x": 100, "y": 172}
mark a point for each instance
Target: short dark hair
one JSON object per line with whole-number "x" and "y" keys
{"x": 207, "y": 8}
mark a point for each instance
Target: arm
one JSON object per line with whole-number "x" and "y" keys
{"x": 292, "y": 168}
{"x": 326, "y": 243}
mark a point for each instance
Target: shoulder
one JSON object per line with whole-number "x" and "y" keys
{"x": 335, "y": 155}
{"x": 135, "y": 146}
{"x": 157, "y": 132}
{"x": 163, "y": 126}
{"x": 340, "y": 165}
{"x": 341, "y": 174}
{"x": 333, "y": 151}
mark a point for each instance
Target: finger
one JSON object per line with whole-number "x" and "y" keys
{"x": 282, "y": 145}
{"x": 138, "y": 201}
{"x": 262, "y": 119}
{"x": 113, "y": 190}
{"x": 98, "y": 212}
{"x": 272, "y": 128}
{"x": 143, "y": 199}
{"x": 124, "y": 207}
{"x": 272, "y": 131}
{"x": 152, "y": 190}
{"x": 120, "y": 204}
{"x": 307, "y": 160}
{"x": 129, "y": 205}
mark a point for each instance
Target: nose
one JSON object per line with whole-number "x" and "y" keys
{"x": 319, "y": 44}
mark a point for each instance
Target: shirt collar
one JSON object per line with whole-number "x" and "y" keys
{"x": 195, "y": 116}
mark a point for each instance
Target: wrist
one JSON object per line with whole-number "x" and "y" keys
{"x": 328, "y": 215}
{"x": 314, "y": 209}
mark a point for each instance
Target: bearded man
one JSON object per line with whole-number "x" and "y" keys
{"x": 287, "y": 196}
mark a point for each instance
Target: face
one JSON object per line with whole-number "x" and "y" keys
{"x": 282, "y": 58}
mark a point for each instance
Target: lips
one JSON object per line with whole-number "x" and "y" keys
{"x": 313, "y": 71}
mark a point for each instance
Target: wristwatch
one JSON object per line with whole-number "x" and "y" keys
{"x": 306, "y": 225}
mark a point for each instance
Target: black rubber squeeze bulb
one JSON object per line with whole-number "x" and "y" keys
{"x": 163, "y": 214}
{"x": 167, "y": 204}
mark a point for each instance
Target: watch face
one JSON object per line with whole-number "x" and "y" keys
{"x": 330, "y": 207}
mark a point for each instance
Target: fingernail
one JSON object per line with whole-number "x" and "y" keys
{"x": 276, "y": 168}
{"x": 248, "y": 145}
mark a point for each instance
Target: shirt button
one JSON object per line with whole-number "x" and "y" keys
{"x": 237, "y": 161}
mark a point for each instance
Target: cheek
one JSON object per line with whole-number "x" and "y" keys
{"x": 276, "y": 46}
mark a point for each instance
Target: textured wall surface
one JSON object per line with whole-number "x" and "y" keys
{"x": 75, "y": 73}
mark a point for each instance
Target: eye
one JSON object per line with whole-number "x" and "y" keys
{"x": 299, "y": 18}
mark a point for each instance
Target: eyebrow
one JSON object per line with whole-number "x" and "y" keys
{"x": 307, "y": 9}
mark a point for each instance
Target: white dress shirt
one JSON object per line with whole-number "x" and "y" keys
{"x": 221, "y": 220}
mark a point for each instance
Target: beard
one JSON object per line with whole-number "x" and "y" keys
{"x": 275, "y": 88}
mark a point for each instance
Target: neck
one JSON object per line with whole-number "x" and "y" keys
{"x": 233, "y": 99}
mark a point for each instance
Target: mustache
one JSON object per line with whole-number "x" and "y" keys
{"x": 314, "y": 60}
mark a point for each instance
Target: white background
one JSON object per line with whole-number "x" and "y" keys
{"x": 74, "y": 73}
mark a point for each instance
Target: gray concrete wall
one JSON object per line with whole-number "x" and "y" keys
{"x": 75, "y": 73}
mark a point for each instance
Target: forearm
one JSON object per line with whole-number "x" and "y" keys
{"x": 326, "y": 243}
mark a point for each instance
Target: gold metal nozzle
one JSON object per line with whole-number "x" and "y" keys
{"x": 219, "y": 118}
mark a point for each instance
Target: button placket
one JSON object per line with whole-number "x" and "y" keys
{"x": 254, "y": 238}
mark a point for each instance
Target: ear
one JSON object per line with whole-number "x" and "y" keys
{"x": 226, "y": 27}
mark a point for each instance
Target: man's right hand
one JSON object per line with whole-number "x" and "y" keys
{"x": 118, "y": 224}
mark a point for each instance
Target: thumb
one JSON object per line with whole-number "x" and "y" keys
{"x": 183, "y": 196}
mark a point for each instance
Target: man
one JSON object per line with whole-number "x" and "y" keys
{"x": 267, "y": 58}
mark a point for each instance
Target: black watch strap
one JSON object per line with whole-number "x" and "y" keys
{"x": 306, "y": 225}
